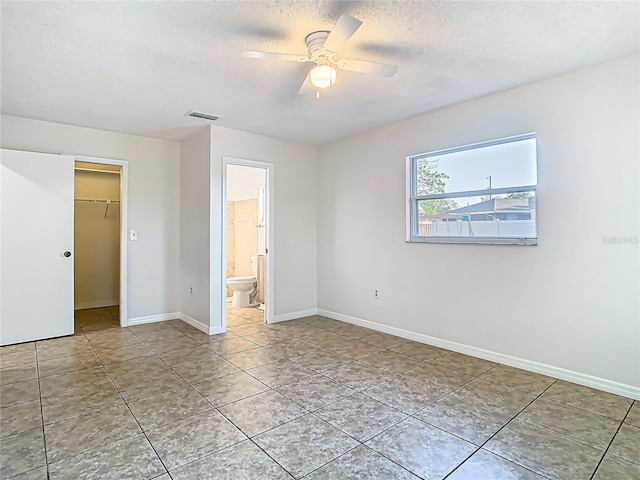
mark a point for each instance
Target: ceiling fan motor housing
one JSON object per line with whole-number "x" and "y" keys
{"x": 315, "y": 45}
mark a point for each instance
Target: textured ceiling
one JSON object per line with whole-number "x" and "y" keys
{"x": 138, "y": 67}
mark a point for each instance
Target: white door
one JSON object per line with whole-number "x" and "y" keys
{"x": 36, "y": 246}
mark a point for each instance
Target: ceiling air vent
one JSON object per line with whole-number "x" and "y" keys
{"x": 204, "y": 116}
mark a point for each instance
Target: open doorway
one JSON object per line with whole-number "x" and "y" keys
{"x": 248, "y": 222}
{"x": 98, "y": 245}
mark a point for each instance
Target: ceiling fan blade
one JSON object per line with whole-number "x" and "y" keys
{"x": 367, "y": 67}
{"x": 292, "y": 57}
{"x": 306, "y": 86}
{"x": 342, "y": 31}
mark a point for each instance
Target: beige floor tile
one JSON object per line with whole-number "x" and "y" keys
{"x": 231, "y": 345}
{"x": 124, "y": 353}
{"x": 317, "y": 444}
{"x": 19, "y": 392}
{"x": 437, "y": 377}
{"x": 384, "y": 340}
{"x": 230, "y": 388}
{"x": 169, "y": 407}
{"x": 184, "y": 441}
{"x": 326, "y": 339}
{"x": 321, "y": 360}
{"x": 315, "y": 392}
{"x": 357, "y": 375}
{"x": 241, "y": 461}
{"x": 25, "y": 348}
{"x": 21, "y": 357}
{"x": 354, "y": 349}
{"x": 39, "y": 473}
{"x": 268, "y": 337}
{"x": 81, "y": 401}
{"x": 612, "y": 468}
{"x": 67, "y": 364}
{"x": 66, "y": 382}
{"x": 325, "y": 323}
{"x": 292, "y": 348}
{"x": 422, "y": 449}
{"x": 596, "y": 401}
{"x": 20, "y": 417}
{"x": 137, "y": 387}
{"x": 63, "y": 347}
{"x": 21, "y": 452}
{"x": 248, "y": 328}
{"x": 255, "y": 357}
{"x": 129, "y": 459}
{"x": 420, "y": 351}
{"x": 361, "y": 463}
{"x": 626, "y": 444}
{"x": 517, "y": 378}
{"x": 634, "y": 414}
{"x": 261, "y": 412}
{"x": 467, "y": 420}
{"x": 19, "y": 373}
{"x": 140, "y": 366}
{"x": 464, "y": 363}
{"x": 353, "y": 331}
{"x": 496, "y": 397}
{"x": 485, "y": 465}
{"x": 544, "y": 452}
{"x": 280, "y": 373}
{"x": 392, "y": 361}
{"x": 170, "y": 344}
{"x": 86, "y": 432}
{"x": 577, "y": 424}
{"x": 199, "y": 372}
{"x": 190, "y": 354}
{"x": 360, "y": 416}
{"x": 404, "y": 394}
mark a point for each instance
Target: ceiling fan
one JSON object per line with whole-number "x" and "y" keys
{"x": 323, "y": 47}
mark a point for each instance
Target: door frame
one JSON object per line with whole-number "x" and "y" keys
{"x": 269, "y": 235}
{"x": 124, "y": 208}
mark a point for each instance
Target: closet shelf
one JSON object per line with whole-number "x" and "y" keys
{"x": 95, "y": 200}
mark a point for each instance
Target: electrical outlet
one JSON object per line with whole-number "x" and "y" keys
{"x": 376, "y": 294}
{"x": 190, "y": 290}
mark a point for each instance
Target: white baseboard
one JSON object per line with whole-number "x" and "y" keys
{"x": 173, "y": 316}
{"x": 194, "y": 323}
{"x": 153, "y": 318}
{"x": 599, "y": 383}
{"x": 293, "y": 315}
{"x": 96, "y": 304}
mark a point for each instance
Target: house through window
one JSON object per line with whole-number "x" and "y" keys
{"x": 480, "y": 193}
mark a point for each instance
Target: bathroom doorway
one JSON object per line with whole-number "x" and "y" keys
{"x": 247, "y": 241}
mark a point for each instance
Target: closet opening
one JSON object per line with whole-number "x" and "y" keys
{"x": 97, "y": 245}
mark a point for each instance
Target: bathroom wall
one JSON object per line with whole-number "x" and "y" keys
{"x": 246, "y": 235}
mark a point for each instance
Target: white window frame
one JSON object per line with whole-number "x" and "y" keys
{"x": 413, "y": 198}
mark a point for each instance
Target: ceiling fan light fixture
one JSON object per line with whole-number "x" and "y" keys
{"x": 322, "y": 76}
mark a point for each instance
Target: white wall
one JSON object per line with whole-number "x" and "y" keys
{"x": 570, "y": 302}
{"x": 96, "y": 244}
{"x": 154, "y": 173}
{"x": 294, "y": 246}
{"x": 194, "y": 225}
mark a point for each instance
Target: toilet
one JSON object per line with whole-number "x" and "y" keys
{"x": 245, "y": 288}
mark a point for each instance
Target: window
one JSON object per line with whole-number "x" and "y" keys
{"x": 480, "y": 193}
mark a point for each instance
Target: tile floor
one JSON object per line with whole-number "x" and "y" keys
{"x": 312, "y": 398}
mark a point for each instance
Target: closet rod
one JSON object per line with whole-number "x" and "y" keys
{"x": 93, "y": 200}
{"x": 80, "y": 169}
